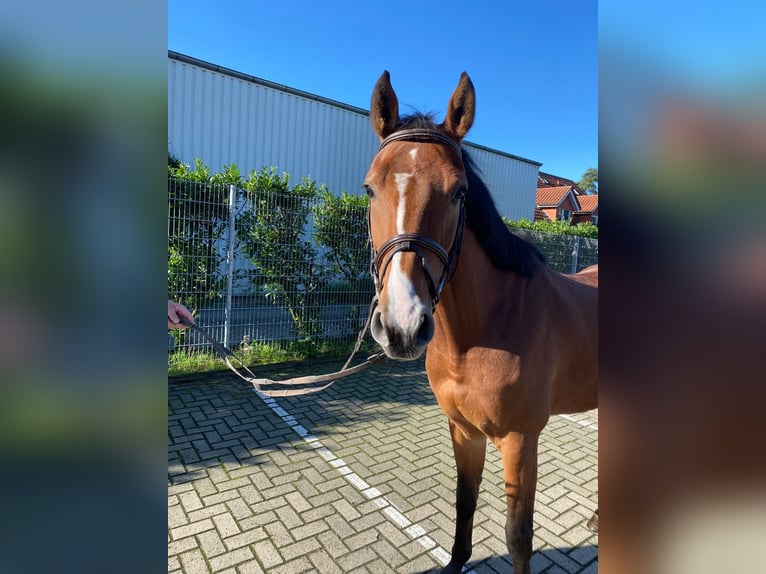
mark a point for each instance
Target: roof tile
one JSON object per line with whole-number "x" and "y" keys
{"x": 551, "y": 196}
{"x": 588, "y": 203}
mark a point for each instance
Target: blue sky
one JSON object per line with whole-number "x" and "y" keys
{"x": 715, "y": 50}
{"x": 534, "y": 64}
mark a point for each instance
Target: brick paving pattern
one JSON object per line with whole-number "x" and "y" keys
{"x": 370, "y": 489}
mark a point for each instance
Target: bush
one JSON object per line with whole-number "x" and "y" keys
{"x": 193, "y": 258}
{"x": 583, "y": 229}
{"x": 274, "y": 233}
{"x": 341, "y": 227}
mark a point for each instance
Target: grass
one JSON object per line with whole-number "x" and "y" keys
{"x": 185, "y": 363}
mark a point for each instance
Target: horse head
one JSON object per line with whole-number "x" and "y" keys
{"x": 417, "y": 185}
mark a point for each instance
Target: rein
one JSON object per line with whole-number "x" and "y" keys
{"x": 379, "y": 261}
{"x": 415, "y": 242}
{"x": 227, "y": 355}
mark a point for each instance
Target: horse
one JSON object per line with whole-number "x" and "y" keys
{"x": 509, "y": 341}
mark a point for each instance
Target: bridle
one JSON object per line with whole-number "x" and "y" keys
{"x": 415, "y": 242}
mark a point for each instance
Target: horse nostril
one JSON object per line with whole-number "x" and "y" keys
{"x": 425, "y": 331}
{"x": 377, "y": 329}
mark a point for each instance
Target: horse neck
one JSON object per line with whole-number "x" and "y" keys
{"x": 473, "y": 298}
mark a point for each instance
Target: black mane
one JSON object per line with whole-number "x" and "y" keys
{"x": 418, "y": 120}
{"x": 506, "y": 251}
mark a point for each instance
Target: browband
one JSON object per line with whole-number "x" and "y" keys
{"x": 420, "y": 134}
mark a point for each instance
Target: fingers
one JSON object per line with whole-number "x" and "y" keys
{"x": 184, "y": 313}
{"x": 177, "y": 312}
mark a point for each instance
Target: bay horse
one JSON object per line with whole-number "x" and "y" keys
{"x": 509, "y": 340}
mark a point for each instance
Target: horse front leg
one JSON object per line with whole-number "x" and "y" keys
{"x": 470, "y": 450}
{"x": 520, "y": 471}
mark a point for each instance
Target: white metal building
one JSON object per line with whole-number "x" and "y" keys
{"x": 226, "y": 117}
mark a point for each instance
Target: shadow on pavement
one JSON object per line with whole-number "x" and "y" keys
{"x": 218, "y": 418}
{"x": 217, "y": 423}
{"x": 567, "y": 559}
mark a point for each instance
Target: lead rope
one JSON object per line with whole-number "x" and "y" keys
{"x": 414, "y": 241}
{"x": 227, "y": 354}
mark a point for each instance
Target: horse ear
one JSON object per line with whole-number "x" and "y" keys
{"x": 461, "y": 109}
{"x": 384, "y": 109}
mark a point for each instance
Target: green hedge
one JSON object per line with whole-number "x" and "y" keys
{"x": 584, "y": 229}
{"x": 308, "y": 247}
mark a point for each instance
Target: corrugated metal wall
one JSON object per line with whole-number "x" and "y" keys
{"x": 512, "y": 182}
{"x": 224, "y": 117}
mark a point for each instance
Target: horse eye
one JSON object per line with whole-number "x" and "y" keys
{"x": 369, "y": 191}
{"x": 460, "y": 193}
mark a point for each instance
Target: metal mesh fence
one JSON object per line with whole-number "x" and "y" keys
{"x": 197, "y": 221}
{"x": 282, "y": 269}
{"x": 564, "y": 253}
{"x": 276, "y": 268}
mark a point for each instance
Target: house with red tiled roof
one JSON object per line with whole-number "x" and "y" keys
{"x": 559, "y": 198}
{"x": 549, "y": 180}
{"x": 588, "y": 210}
{"x": 557, "y": 202}
{"x": 540, "y": 215}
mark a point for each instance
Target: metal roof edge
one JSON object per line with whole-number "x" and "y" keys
{"x": 503, "y": 153}
{"x": 173, "y": 55}
{"x": 266, "y": 83}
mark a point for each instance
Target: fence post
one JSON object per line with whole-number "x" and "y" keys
{"x": 575, "y": 254}
{"x": 229, "y": 266}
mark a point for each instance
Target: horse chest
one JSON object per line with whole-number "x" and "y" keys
{"x": 491, "y": 404}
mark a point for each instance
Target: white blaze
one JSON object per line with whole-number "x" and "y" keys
{"x": 401, "y": 180}
{"x": 404, "y": 306}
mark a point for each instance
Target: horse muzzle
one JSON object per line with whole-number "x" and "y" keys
{"x": 403, "y": 336}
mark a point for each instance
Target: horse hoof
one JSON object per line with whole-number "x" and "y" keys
{"x": 592, "y": 524}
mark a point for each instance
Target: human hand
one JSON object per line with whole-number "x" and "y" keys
{"x": 176, "y": 312}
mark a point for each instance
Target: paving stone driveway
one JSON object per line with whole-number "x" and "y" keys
{"x": 358, "y": 478}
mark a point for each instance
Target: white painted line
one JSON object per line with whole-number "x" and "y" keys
{"x": 397, "y": 517}
{"x": 428, "y": 542}
{"x": 440, "y": 555}
{"x": 325, "y": 454}
{"x": 280, "y": 411}
{"x": 372, "y": 493}
{"x": 582, "y": 421}
{"x": 357, "y": 481}
{"x": 413, "y": 530}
